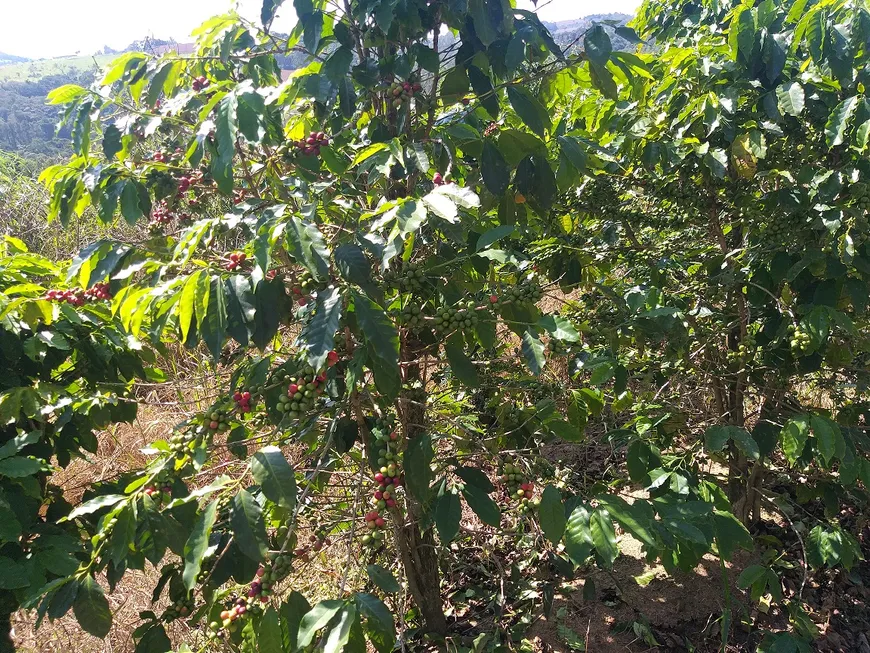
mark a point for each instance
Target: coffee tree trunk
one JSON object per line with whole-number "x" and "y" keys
{"x": 420, "y": 559}
{"x": 418, "y": 547}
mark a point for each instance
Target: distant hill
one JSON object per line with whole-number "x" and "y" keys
{"x": 27, "y": 124}
{"x": 6, "y": 59}
{"x": 34, "y": 70}
{"x": 568, "y": 32}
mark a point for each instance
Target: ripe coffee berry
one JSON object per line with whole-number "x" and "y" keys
{"x": 98, "y": 291}
{"x": 73, "y": 297}
{"x": 401, "y": 92}
{"x": 311, "y": 145}
{"x": 243, "y": 400}
{"x": 235, "y": 260}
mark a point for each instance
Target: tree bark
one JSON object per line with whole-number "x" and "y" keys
{"x": 418, "y": 548}
{"x": 420, "y": 559}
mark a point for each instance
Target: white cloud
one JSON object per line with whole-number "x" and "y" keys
{"x": 50, "y": 28}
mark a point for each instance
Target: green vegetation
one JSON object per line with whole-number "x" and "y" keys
{"x": 28, "y": 126}
{"x": 33, "y": 71}
{"x": 413, "y": 269}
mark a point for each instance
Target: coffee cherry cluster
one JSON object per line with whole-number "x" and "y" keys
{"x": 316, "y": 544}
{"x": 510, "y": 416}
{"x": 302, "y": 393}
{"x": 462, "y": 316}
{"x": 216, "y": 421}
{"x": 158, "y": 494}
{"x": 744, "y": 350}
{"x": 179, "y": 609}
{"x": 409, "y": 278}
{"x": 235, "y": 260}
{"x": 161, "y": 157}
{"x": 98, "y": 292}
{"x": 527, "y": 292}
{"x": 201, "y": 83}
{"x": 519, "y": 488}
{"x": 376, "y": 524}
{"x": 381, "y": 427}
{"x": 390, "y": 460}
{"x": 282, "y": 532}
{"x": 262, "y": 586}
{"x": 243, "y": 400}
{"x": 208, "y": 560}
{"x": 401, "y": 92}
{"x": 412, "y": 317}
{"x": 491, "y": 128}
{"x": 239, "y": 608}
{"x": 780, "y": 227}
{"x": 311, "y": 145}
{"x": 557, "y": 347}
{"x": 181, "y": 443}
{"x": 184, "y": 183}
{"x": 388, "y": 478}
{"x": 74, "y": 297}
{"x": 800, "y": 340}
{"x": 162, "y": 215}
{"x": 438, "y": 180}
{"x": 78, "y": 297}
{"x": 107, "y": 529}
{"x": 304, "y": 287}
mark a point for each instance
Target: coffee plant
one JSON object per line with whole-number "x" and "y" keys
{"x": 438, "y": 248}
{"x": 69, "y": 369}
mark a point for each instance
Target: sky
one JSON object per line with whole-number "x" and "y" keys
{"x": 52, "y": 28}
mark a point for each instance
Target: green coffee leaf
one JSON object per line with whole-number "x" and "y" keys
{"x": 604, "y": 537}
{"x": 383, "y": 579}
{"x": 482, "y": 505}
{"x": 92, "y": 609}
{"x": 551, "y": 514}
{"x": 197, "y": 544}
{"x": 448, "y": 512}
{"x": 249, "y": 530}
{"x": 277, "y": 480}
